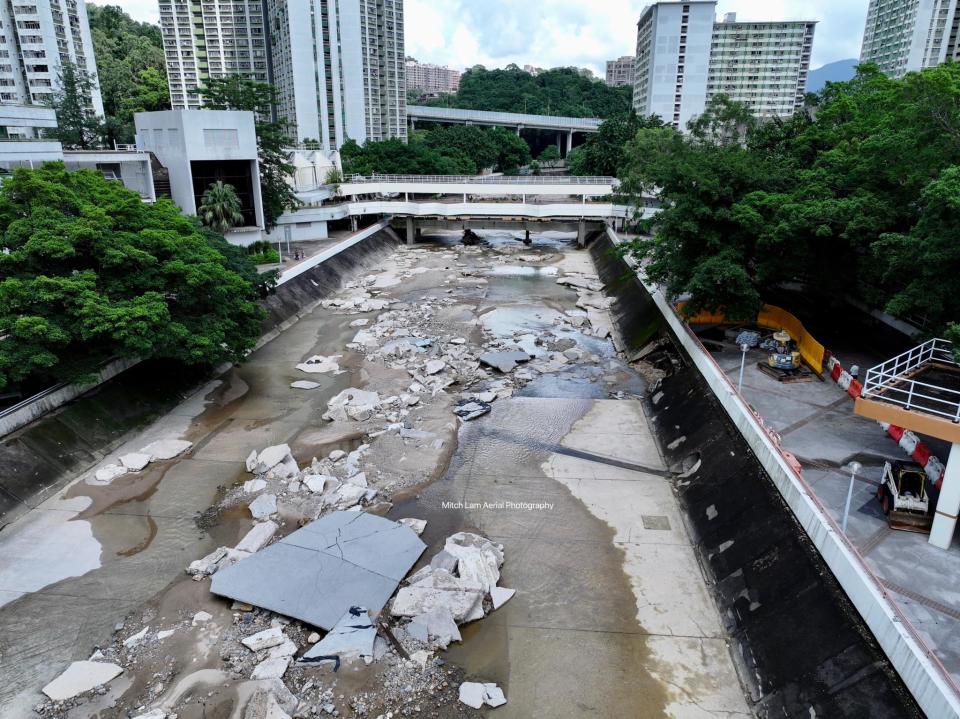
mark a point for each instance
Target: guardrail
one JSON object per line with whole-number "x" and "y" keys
{"x": 496, "y": 117}
{"x": 891, "y": 382}
{"x": 484, "y": 179}
{"x": 932, "y": 685}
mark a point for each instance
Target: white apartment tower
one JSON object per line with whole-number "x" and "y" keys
{"x": 337, "y": 65}
{"x": 37, "y": 37}
{"x": 901, "y": 36}
{"x": 431, "y": 79}
{"x": 685, "y": 58}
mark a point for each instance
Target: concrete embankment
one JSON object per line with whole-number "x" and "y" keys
{"x": 41, "y": 456}
{"x": 801, "y": 646}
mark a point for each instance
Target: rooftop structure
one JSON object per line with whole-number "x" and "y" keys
{"x": 620, "y": 71}
{"x": 685, "y": 58}
{"x": 901, "y": 36}
{"x": 23, "y": 128}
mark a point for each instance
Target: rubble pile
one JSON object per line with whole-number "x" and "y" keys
{"x": 158, "y": 451}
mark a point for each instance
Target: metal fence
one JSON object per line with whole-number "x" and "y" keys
{"x": 892, "y": 381}
{"x": 484, "y": 179}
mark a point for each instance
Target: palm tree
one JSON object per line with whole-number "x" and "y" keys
{"x": 220, "y": 208}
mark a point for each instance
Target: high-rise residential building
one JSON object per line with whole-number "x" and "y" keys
{"x": 620, "y": 71}
{"x": 37, "y": 38}
{"x": 685, "y": 58}
{"x": 337, "y": 65}
{"x": 901, "y": 36}
{"x": 430, "y": 78}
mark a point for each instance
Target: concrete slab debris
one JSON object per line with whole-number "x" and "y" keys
{"x": 439, "y": 589}
{"x": 417, "y": 525}
{"x": 208, "y": 565}
{"x": 351, "y": 638}
{"x": 258, "y": 537}
{"x": 152, "y": 714}
{"x": 109, "y": 472}
{"x": 164, "y": 449}
{"x": 264, "y": 640}
{"x": 318, "y": 364}
{"x": 135, "y": 461}
{"x": 254, "y": 485}
{"x": 320, "y": 483}
{"x": 133, "y": 640}
{"x": 503, "y": 361}
{"x": 436, "y": 627}
{"x": 277, "y": 460}
{"x": 318, "y": 572}
{"x": 201, "y": 618}
{"x": 304, "y": 384}
{"x": 475, "y": 695}
{"x": 434, "y": 366}
{"x": 81, "y": 677}
{"x": 273, "y": 668}
{"x": 352, "y": 403}
{"x": 469, "y": 409}
{"x": 478, "y": 559}
{"x": 263, "y": 506}
{"x": 501, "y": 595}
{"x": 444, "y": 560}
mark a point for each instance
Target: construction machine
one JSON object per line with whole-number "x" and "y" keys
{"x": 784, "y": 355}
{"x": 904, "y": 497}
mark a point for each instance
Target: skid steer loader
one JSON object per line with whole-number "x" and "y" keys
{"x": 904, "y": 497}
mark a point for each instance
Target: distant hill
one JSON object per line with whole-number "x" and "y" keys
{"x": 839, "y": 71}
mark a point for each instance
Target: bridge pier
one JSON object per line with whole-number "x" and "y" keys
{"x": 353, "y": 223}
{"x": 411, "y": 230}
{"x": 582, "y": 233}
{"x": 569, "y": 143}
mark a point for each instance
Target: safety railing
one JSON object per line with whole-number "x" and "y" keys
{"x": 484, "y": 179}
{"x": 893, "y": 381}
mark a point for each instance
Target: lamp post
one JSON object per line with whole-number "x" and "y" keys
{"x": 743, "y": 360}
{"x": 854, "y": 467}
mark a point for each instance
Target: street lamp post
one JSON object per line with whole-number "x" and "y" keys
{"x": 854, "y": 467}
{"x": 743, "y": 360}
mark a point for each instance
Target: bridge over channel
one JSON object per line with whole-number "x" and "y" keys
{"x": 517, "y": 120}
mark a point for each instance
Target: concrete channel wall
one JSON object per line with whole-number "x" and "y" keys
{"x": 921, "y": 673}
{"x": 65, "y": 433}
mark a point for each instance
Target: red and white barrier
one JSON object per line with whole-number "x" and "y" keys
{"x": 909, "y": 442}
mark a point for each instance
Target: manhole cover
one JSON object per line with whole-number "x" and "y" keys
{"x": 655, "y": 521}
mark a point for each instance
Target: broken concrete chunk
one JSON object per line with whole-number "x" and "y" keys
{"x": 201, "y": 618}
{"x": 265, "y": 705}
{"x": 359, "y": 479}
{"x": 479, "y": 559}
{"x": 417, "y": 525}
{"x": 475, "y": 694}
{"x": 135, "y": 461}
{"x": 434, "y": 366}
{"x": 304, "y": 384}
{"x": 439, "y": 626}
{"x": 273, "y": 668}
{"x": 263, "y": 506}
{"x": 254, "y": 485}
{"x": 468, "y": 409}
{"x": 81, "y": 677}
{"x": 319, "y": 364}
{"x": 439, "y": 589}
{"x": 258, "y": 537}
{"x": 109, "y": 472}
{"x": 503, "y": 361}
{"x": 264, "y": 640}
{"x": 132, "y": 641}
{"x": 320, "y": 483}
{"x": 352, "y": 403}
{"x": 501, "y": 595}
{"x": 351, "y": 638}
{"x": 271, "y": 457}
{"x": 152, "y": 714}
{"x": 164, "y": 449}
{"x": 336, "y": 455}
{"x": 444, "y": 560}
{"x": 208, "y": 565}
{"x": 287, "y": 649}
{"x": 345, "y": 496}
{"x": 252, "y": 461}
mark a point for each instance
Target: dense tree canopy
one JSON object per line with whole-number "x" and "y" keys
{"x": 131, "y": 68}
{"x": 561, "y": 91}
{"x": 444, "y": 150}
{"x": 862, "y": 200}
{"x": 88, "y": 272}
{"x": 603, "y": 153}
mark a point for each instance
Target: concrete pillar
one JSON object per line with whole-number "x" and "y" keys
{"x": 464, "y": 198}
{"x": 569, "y": 143}
{"x": 948, "y": 506}
{"x": 582, "y": 233}
{"x": 413, "y": 124}
{"x": 411, "y": 231}
{"x": 526, "y": 238}
{"x": 353, "y": 224}
{"x": 560, "y": 141}
{"x": 519, "y": 127}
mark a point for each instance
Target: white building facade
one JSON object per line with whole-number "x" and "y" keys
{"x": 902, "y": 36}
{"x": 685, "y": 58}
{"x": 431, "y": 79}
{"x": 620, "y": 71}
{"x": 37, "y": 38}
{"x": 337, "y": 65}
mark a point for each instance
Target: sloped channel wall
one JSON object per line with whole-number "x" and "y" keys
{"x": 57, "y": 444}
{"x": 801, "y": 647}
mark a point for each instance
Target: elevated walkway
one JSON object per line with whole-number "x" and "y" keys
{"x": 502, "y": 119}
{"x": 482, "y": 185}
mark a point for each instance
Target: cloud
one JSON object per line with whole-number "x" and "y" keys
{"x": 583, "y": 33}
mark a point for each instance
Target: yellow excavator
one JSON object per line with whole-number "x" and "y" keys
{"x": 784, "y": 355}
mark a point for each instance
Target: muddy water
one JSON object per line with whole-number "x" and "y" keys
{"x": 569, "y": 644}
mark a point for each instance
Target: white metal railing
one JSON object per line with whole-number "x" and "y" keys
{"x": 485, "y": 179}
{"x": 496, "y": 117}
{"x": 892, "y": 382}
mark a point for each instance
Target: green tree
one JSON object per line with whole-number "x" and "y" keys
{"x": 78, "y": 127}
{"x": 512, "y": 151}
{"x": 394, "y": 157}
{"x": 131, "y": 68}
{"x": 220, "y": 207}
{"x": 603, "y": 153}
{"x": 88, "y": 272}
{"x": 551, "y": 153}
{"x": 470, "y": 140}
{"x": 236, "y": 93}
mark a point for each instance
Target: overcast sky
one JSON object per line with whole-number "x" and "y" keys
{"x": 583, "y": 33}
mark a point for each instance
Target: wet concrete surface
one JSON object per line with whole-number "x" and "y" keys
{"x": 612, "y": 617}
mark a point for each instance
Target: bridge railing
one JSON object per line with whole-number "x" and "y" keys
{"x": 483, "y": 179}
